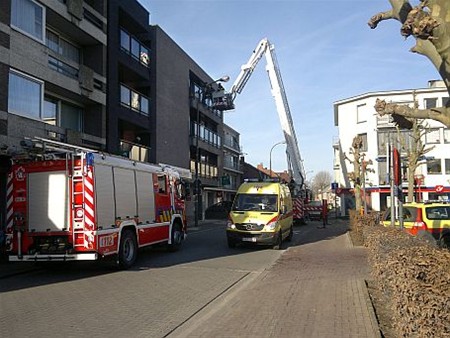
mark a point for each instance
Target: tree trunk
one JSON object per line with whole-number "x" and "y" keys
{"x": 410, "y": 185}
{"x": 358, "y": 202}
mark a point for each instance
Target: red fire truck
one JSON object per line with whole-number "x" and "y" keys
{"x": 70, "y": 203}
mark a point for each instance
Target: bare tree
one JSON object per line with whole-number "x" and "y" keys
{"x": 355, "y": 175}
{"x": 429, "y": 24}
{"x": 360, "y": 168}
{"x": 414, "y": 152}
{"x": 321, "y": 182}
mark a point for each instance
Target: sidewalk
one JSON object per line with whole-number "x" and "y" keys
{"x": 316, "y": 289}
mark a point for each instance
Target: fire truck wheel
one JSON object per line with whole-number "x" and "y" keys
{"x": 291, "y": 234}
{"x": 127, "y": 250}
{"x": 177, "y": 238}
{"x": 278, "y": 241}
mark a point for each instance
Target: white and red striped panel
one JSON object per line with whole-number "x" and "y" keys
{"x": 9, "y": 210}
{"x": 89, "y": 213}
{"x": 298, "y": 208}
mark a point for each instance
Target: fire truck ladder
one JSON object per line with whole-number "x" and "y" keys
{"x": 78, "y": 172}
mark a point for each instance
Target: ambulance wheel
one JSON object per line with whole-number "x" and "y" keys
{"x": 278, "y": 241}
{"x": 444, "y": 241}
{"x": 291, "y": 234}
{"x": 127, "y": 250}
{"x": 176, "y": 238}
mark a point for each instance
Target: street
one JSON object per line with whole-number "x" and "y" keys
{"x": 162, "y": 292}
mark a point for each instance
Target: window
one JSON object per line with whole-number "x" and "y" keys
{"x": 134, "y": 100}
{"x": 364, "y": 142}
{"x": 25, "y": 95}
{"x": 445, "y": 101}
{"x": 430, "y": 103}
{"x": 50, "y": 110}
{"x": 406, "y": 141}
{"x": 62, "y": 67}
{"x": 361, "y": 113}
{"x": 383, "y": 141}
{"x": 382, "y": 173}
{"x": 62, "y": 47}
{"x": 70, "y": 116}
{"x": 446, "y": 135}
{"x": 432, "y": 136}
{"x": 63, "y": 114}
{"x": 28, "y": 17}
{"x": 162, "y": 184}
{"x": 434, "y": 166}
{"x": 133, "y": 47}
{"x": 447, "y": 166}
{"x": 124, "y": 40}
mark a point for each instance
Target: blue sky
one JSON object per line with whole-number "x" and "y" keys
{"x": 325, "y": 50}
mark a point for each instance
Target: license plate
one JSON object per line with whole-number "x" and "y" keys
{"x": 250, "y": 239}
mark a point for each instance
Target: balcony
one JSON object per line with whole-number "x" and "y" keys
{"x": 232, "y": 145}
{"x": 133, "y": 100}
{"x": 134, "y": 151}
{"x": 229, "y": 164}
{"x": 206, "y": 135}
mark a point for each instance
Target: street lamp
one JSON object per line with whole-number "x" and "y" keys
{"x": 270, "y": 157}
{"x": 201, "y": 93}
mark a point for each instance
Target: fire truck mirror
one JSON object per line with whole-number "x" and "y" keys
{"x": 187, "y": 190}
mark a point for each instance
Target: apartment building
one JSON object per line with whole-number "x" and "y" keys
{"x": 356, "y": 116}
{"x": 52, "y": 75}
{"x": 232, "y": 164}
{"x": 96, "y": 73}
{"x": 187, "y": 130}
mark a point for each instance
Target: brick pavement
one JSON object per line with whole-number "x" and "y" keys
{"x": 316, "y": 289}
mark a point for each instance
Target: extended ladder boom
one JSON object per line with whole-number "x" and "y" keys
{"x": 293, "y": 153}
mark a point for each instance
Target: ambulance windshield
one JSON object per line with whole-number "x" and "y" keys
{"x": 255, "y": 202}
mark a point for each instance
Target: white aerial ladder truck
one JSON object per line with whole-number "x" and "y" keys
{"x": 226, "y": 102}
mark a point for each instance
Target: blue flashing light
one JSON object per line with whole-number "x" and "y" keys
{"x": 90, "y": 159}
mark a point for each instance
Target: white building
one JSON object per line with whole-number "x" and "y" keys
{"x": 357, "y": 116}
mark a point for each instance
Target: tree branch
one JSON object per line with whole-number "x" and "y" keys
{"x": 377, "y": 18}
{"x": 441, "y": 114}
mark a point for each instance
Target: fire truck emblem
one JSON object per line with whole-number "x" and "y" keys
{"x": 20, "y": 174}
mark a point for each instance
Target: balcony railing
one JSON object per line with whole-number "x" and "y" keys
{"x": 134, "y": 100}
{"x": 232, "y": 144}
{"x": 227, "y": 163}
{"x": 134, "y": 151}
{"x": 206, "y": 135}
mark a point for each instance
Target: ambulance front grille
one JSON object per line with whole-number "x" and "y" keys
{"x": 249, "y": 226}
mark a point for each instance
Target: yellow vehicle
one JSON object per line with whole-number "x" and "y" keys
{"x": 430, "y": 220}
{"x": 261, "y": 214}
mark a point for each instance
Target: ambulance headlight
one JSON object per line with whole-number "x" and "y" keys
{"x": 230, "y": 225}
{"x": 270, "y": 226}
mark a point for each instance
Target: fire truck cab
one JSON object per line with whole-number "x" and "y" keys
{"x": 70, "y": 203}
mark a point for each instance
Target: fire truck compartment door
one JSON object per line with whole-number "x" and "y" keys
{"x": 104, "y": 193}
{"x": 146, "y": 197}
{"x": 48, "y": 205}
{"x": 125, "y": 189}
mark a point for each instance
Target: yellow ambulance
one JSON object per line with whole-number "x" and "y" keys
{"x": 261, "y": 214}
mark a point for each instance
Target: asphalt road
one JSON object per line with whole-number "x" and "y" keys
{"x": 162, "y": 292}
